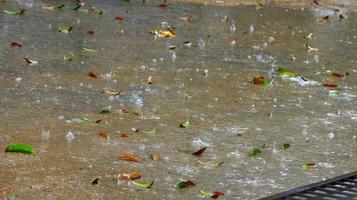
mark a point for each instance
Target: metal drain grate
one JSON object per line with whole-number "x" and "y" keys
{"x": 339, "y": 188}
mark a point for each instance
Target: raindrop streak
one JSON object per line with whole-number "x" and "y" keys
{"x": 233, "y": 28}
{"x": 251, "y": 29}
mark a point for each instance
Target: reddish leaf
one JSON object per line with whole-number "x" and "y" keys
{"x": 330, "y": 85}
{"x": 258, "y": 80}
{"x": 163, "y": 5}
{"x": 130, "y": 157}
{"x": 16, "y": 45}
{"x": 124, "y": 110}
{"x": 90, "y": 32}
{"x": 124, "y": 135}
{"x": 92, "y": 74}
{"x": 217, "y": 194}
{"x": 119, "y": 18}
{"x": 98, "y": 121}
{"x": 103, "y": 134}
{"x": 199, "y": 152}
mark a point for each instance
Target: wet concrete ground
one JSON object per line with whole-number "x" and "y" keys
{"x": 54, "y": 105}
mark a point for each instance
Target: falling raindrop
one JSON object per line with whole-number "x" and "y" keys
{"x": 330, "y": 135}
{"x": 201, "y": 44}
{"x": 233, "y": 28}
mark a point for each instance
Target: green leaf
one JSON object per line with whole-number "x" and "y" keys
{"x": 99, "y": 12}
{"x": 143, "y": 185}
{"x": 67, "y": 58}
{"x": 255, "y": 152}
{"x": 65, "y": 30}
{"x": 105, "y": 111}
{"x": 266, "y": 82}
{"x": 20, "y": 148}
{"x": 206, "y": 194}
{"x": 76, "y": 7}
{"x": 309, "y": 165}
{"x": 354, "y": 137}
{"x": 152, "y": 131}
{"x": 282, "y": 72}
{"x": 211, "y": 165}
{"x": 87, "y": 50}
{"x": 334, "y": 92}
{"x": 185, "y": 124}
{"x": 285, "y": 146}
{"x": 187, "y": 44}
{"x": 85, "y": 119}
{"x": 15, "y": 13}
{"x": 188, "y": 96}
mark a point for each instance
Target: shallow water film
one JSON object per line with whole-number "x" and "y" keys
{"x": 133, "y": 100}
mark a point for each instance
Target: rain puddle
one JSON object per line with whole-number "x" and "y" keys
{"x": 198, "y": 99}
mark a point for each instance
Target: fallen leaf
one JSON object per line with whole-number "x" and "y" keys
{"x": 67, "y": 58}
{"x": 15, "y": 13}
{"x": 95, "y": 181}
{"x": 20, "y": 148}
{"x": 217, "y": 194}
{"x": 206, "y": 194}
{"x": 259, "y": 80}
{"x": 30, "y": 62}
{"x": 129, "y": 157}
{"x": 225, "y": 19}
{"x": 48, "y": 7}
{"x": 156, "y": 157}
{"x": 98, "y": 121}
{"x": 161, "y": 33}
{"x": 65, "y": 30}
{"x": 337, "y": 75}
{"x": 282, "y": 72}
{"x": 119, "y": 18}
{"x": 324, "y": 20}
{"x": 92, "y": 74}
{"x": 60, "y": 6}
{"x": 90, "y": 32}
{"x": 199, "y": 152}
{"x": 330, "y": 85}
{"x": 104, "y": 111}
{"x": 110, "y": 92}
{"x": 124, "y": 135}
{"x": 131, "y": 176}
{"x": 16, "y": 45}
{"x": 103, "y": 134}
{"x": 233, "y": 42}
{"x": 163, "y": 5}
{"x": 255, "y": 152}
{"x": 185, "y": 124}
{"x": 285, "y": 146}
{"x": 185, "y": 184}
{"x": 309, "y": 165}
{"x": 149, "y": 81}
{"x": 143, "y": 185}
{"x": 187, "y": 43}
{"x": 135, "y": 130}
{"x": 76, "y": 7}
{"x": 87, "y": 50}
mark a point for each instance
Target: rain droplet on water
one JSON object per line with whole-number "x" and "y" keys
{"x": 251, "y": 29}
{"x": 69, "y": 136}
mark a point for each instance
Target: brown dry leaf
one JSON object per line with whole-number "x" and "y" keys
{"x": 200, "y": 151}
{"x": 149, "y": 81}
{"x": 156, "y": 157}
{"x": 119, "y": 18}
{"x": 98, "y": 121}
{"x": 130, "y": 157}
{"x": 324, "y": 20}
{"x": 131, "y": 176}
{"x": 92, "y": 74}
{"x": 161, "y": 33}
{"x": 103, "y": 134}
{"x": 163, "y": 6}
{"x": 337, "y": 75}
{"x": 16, "y": 45}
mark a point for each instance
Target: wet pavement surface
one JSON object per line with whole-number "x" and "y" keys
{"x": 206, "y": 71}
